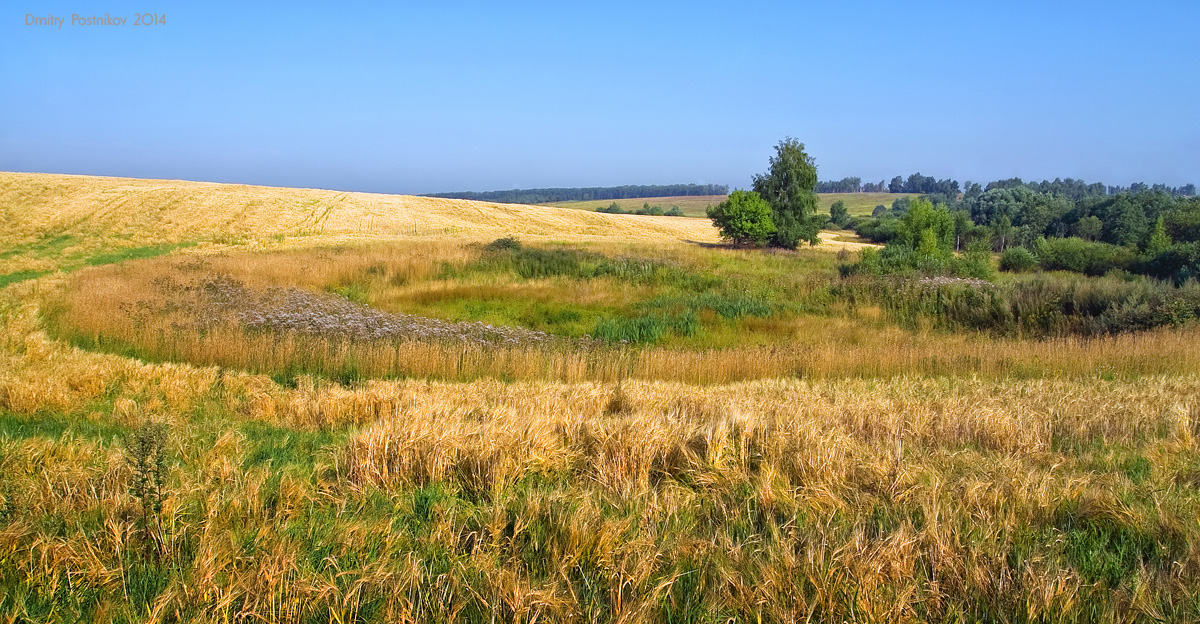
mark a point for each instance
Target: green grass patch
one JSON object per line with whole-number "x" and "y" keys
{"x": 647, "y": 329}
{"x": 19, "y": 276}
{"x": 357, "y": 292}
{"x": 133, "y": 253}
{"x": 281, "y": 448}
{"x": 54, "y": 427}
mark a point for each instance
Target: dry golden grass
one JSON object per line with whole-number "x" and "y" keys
{"x": 943, "y": 486}
{"x": 883, "y": 501}
{"x": 117, "y": 304}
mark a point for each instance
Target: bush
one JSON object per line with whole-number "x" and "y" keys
{"x": 744, "y": 218}
{"x": 1044, "y": 305}
{"x": 674, "y": 211}
{"x": 1080, "y": 256}
{"x": 1017, "y": 260}
{"x": 838, "y": 214}
{"x": 508, "y": 243}
{"x": 1178, "y": 262}
{"x": 880, "y": 230}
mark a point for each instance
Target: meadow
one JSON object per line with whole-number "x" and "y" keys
{"x": 308, "y": 406}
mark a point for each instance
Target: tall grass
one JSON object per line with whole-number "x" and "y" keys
{"x": 899, "y": 500}
{"x": 150, "y": 311}
{"x": 1041, "y": 305}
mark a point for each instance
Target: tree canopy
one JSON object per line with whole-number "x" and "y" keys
{"x": 744, "y": 218}
{"x": 789, "y": 187}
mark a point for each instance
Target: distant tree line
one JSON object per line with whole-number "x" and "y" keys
{"x": 553, "y": 195}
{"x": 845, "y": 185}
{"x": 1070, "y": 188}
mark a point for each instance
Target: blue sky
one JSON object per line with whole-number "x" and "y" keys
{"x": 427, "y": 97}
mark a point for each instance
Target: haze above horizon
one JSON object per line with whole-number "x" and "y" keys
{"x": 477, "y": 97}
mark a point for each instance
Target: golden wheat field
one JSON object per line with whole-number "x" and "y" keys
{"x": 223, "y": 403}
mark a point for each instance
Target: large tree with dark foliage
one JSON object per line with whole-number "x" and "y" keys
{"x": 790, "y": 189}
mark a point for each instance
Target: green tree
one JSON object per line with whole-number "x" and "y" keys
{"x": 1089, "y": 228}
{"x": 965, "y": 229}
{"x": 789, "y": 187}
{"x": 1127, "y": 224}
{"x": 928, "y": 230}
{"x": 838, "y": 213}
{"x": 1159, "y": 240}
{"x": 743, "y": 218}
{"x": 1002, "y": 233}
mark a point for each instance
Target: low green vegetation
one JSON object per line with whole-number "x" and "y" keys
{"x": 923, "y": 242}
{"x": 1063, "y": 226}
{"x": 744, "y": 218}
{"x": 646, "y": 209}
{"x": 661, "y": 300}
{"x": 73, "y": 261}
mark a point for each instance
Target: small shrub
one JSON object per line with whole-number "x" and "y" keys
{"x": 508, "y": 243}
{"x": 744, "y": 218}
{"x": 878, "y": 230}
{"x": 146, "y": 455}
{"x": 1017, "y": 260}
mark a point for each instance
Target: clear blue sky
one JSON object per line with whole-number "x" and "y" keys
{"x": 424, "y": 97}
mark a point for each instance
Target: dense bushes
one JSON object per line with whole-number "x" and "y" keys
{"x": 922, "y": 241}
{"x": 900, "y": 260}
{"x": 877, "y": 230}
{"x": 1017, "y": 260}
{"x": 1178, "y": 262}
{"x": 646, "y": 209}
{"x": 1080, "y": 256}
{"x": 1042, "y": 305}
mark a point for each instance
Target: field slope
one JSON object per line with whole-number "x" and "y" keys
{"x": 52, "y": 220}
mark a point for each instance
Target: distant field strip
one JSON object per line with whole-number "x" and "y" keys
{"x": 859, "y": 204}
